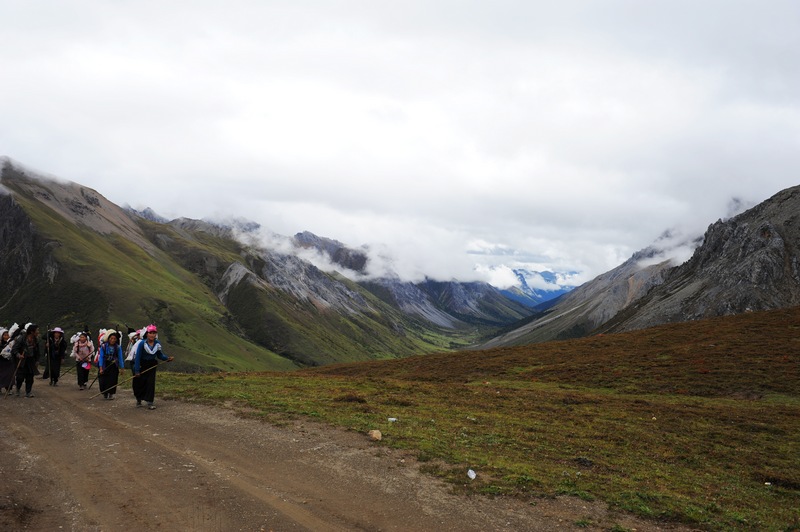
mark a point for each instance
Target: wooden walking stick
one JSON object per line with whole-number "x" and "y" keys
{"x": 70, "y": 368}
{"x": 131, "y": 378}
{"x": 47, "y": 354}
{"x": 13, "y": 377}
{"x": 95, "y": 378}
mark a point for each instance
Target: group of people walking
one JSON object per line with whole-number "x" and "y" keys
{"x": 20, "y": 353}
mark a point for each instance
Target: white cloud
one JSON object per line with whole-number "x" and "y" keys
{"x": 465, "y": 137}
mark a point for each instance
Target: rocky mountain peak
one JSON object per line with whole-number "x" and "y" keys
{"x": 748, "y": 262}
{"x": 352, "y": 259}
{"x": 81, "y": 205}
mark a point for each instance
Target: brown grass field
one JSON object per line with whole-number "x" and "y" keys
{"x": 697, "y": 423}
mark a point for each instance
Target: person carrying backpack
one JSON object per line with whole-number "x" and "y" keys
{"x": 27, "y": 354}
{"x": 82, "y": 352}
{"x": 7, "y": 364}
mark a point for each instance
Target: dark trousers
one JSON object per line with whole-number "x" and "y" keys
{"x": 28, "y": 378}
{"x": 54, "y": 369}
{"x": 83, "y": 374}
{"x": 109, "y": 379}
{"x": 144, "y": 386}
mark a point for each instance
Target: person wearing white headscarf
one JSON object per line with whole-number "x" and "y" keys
{"x": 56, "y": 353}
{"x": 27, "y": 354}
{"x": 6, "y": 362}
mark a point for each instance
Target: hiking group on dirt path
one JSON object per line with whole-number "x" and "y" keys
{"x": 20, "y": 354}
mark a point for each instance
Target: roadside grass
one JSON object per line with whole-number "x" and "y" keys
{"x": 630, "y": 419}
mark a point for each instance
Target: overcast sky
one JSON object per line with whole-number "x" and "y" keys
{"x": 454, "y": 136}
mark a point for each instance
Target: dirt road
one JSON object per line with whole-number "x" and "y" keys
{"x": 70, "y": 463}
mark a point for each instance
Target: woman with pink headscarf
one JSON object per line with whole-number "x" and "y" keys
{"x": 144, "y": 367}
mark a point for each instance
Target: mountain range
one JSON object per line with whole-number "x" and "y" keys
{"x": 222, "y": 296}
{"x": 230, "y": 296}
{"x": 745, "y": 263}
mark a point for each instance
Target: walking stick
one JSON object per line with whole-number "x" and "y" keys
{"x": 95, "y": 378}
{"x": 98, "y": 374}
{"x": 47, "y": 354}
{"x": 129, "y": 379}
{"x": 14, "y": 376}
{"x": 66, "y": 371}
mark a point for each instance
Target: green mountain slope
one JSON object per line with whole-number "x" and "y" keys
{"x": 70, "y": 257}
{"x": 105, "y": 280}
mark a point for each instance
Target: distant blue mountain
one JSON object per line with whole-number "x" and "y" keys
{"x": 531, "y": 297}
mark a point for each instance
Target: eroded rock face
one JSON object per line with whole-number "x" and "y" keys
{"x": 16, "y": 245}
{"x": 745, "y": 263}
{"x": 750, "y": 262}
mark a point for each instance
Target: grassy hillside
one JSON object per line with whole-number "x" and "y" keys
{"x": 313, "y": 336}
{"x": 296, "y": 329}
{"x": 81, "y": 276}
{"x": 697, "y": 423}
{"x": 105, "y": 281}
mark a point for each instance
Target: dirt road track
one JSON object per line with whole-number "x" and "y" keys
{"x": 70, "y": 463}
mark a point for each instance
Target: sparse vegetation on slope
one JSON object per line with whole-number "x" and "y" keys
{"x": 696, "y": 423}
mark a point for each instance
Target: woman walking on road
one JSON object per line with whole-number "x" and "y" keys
{"x": 110, "y": 363}
{"x": 82, "y": 352}
{"x": 56, "y": 352}
{"x": 7, "y": 363}
{"x": 27, "y": 355}
{"x": 144, "y": 367}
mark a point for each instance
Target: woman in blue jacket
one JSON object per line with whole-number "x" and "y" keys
{"x": 110, "y": 363}
{"x": 144, "y": 367}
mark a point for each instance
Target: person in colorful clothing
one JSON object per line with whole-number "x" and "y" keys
{"x": 144, "y": 367}
{"x": 110, "y": 363}
{"x": 82, "y": 352}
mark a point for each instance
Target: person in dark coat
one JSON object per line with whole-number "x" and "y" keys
{"x": 56, "y": 353}
{"x": 144, "y": 367}
{"x": 7, "y": 363}
{"x": 28, "y": 354}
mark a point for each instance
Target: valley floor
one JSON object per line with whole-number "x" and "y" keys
{"x": 71, "y": 463}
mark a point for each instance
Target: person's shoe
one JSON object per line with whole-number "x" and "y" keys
{"x": 138, "y": 404}
{"x": 111, "y": 397}
{"x": 151, "y": 406}
{"x": 29, "y": 395}
{"x": 55, "y": 383}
